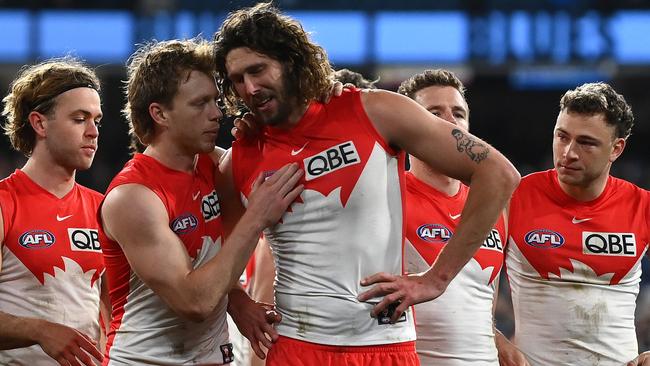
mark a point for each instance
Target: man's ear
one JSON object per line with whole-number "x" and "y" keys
{"x": 619, "y": 146}
{"x": 38, "y": 121}
{"x": 158, "y": 113}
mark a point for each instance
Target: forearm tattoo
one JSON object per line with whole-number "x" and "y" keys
{"x": 476, "y": 150}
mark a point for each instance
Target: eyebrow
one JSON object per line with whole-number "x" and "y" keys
{"x": 582, "y": 137}
{"x": 246, "y": 69}
{"x": 86, "y": 113}
{"x": 455, "y": 108}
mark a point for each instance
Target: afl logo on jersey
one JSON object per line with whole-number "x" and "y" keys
{"x": 544, "y": 239}
{"x": 434, "y": 233}
{"x": 37, "y": 239}
{"x": 184, "y": 224}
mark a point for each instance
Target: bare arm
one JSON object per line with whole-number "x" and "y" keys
{"x": 458, "y": 154}
{"x": 255, "y": 320}
{"x": 261, "y": 287}
{"x": 105, "y": 311}
{"x": 136, "y": 218}
{"x": 509, "y": 354}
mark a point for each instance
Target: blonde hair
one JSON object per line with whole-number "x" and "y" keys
{"x": 154, "y": 74}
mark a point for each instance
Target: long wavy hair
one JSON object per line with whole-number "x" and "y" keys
{"x": 263, "y": 29}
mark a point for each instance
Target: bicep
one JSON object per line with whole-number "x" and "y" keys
{"x": 231, "y": 206}
{"x": 136, "y": 218}
{"x": 442, "y": 145}
{"x": 264, "y": 276}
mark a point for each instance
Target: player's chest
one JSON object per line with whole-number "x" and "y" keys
{"x": 430, "y": 226}
{"x": 195, "y": 216}
{"x": 329, "y": 163}
{"x": 41, "y": 238}
{"x": 606, "y": 241}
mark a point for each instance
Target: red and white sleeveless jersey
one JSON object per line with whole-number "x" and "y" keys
{"x": 143, "y": 328}
{"x": 51, "y": 260}
{"x": 456, "y": 328}
{"x": 346, "y": 225}
{"x": 574, "y": 269}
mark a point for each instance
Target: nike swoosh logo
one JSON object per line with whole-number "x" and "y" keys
{"x": 296, "y": 152}
{"x": 577, "y": 221}
{"x": 59, "y": 218}
{"x": 196, "y": 195}
{"x": 454, "y": 217}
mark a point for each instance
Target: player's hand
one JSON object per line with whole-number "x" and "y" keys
{"x": 405, "y": 290}
{"x": 509, "y": 354}
{"x": 67, "y": 346}
{"x": 642, "y": 360}
{"x": 256, "y": 321}
{"x": 246, "y": 126}
{"x": 270, "y": 197}
{"x": 336, "y": 89}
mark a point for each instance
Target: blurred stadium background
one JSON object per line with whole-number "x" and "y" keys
{"x": 516, "y": 58}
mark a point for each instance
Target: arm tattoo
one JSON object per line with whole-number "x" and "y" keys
{"x": 476, "y": 150}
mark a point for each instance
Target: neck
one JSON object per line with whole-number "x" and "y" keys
{"x": 588, "y": 192}
{"x": 434, "y": 179}
{"x": 171, "y": 156}
{"x": 52, "y": 177}
{"x": 295, "y": 116}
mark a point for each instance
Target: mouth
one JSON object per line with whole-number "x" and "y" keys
{"x": 262, "y": 103}
{"x": 567, "y": 168}
{"x": 89, "y": 149}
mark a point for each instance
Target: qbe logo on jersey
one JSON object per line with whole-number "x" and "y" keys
{"x": 84, "y": 240}
{"x": 210, "y": 207}
{"x": 620, "y": 244}
{"x": 493, "y": 241}
{"x": 331, "y": 160}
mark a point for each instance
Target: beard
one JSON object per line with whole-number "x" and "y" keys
{"x": 285, "y": 97}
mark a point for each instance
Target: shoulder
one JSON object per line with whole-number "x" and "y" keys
{"x": 629, "y": 193}
{"x": 130, "y": 199}
{"x": 534, "y": 181}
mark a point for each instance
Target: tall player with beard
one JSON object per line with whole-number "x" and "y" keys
{"x": 51, "y": 260}
{"x": 347, "y": 224}
{"x": 577, "y": 236}
{"x": 457, "y": 328}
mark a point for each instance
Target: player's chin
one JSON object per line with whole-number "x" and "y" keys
{"x": 85, "y": 164}
{"x": 206, "y": 146}
{"x": 571, "y": 178}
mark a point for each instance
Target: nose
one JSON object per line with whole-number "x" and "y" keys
{"x": 570, "y": 152}
{"x": 92, "y": 130}
{"x": 215, "y": 113}
{"x": 448, "y": 116}
{"x": 250, "y": 85}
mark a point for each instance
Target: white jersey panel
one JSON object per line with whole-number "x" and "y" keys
{"x": 65, "y": 298}
{"x": 456, "y": 328}
{"x": 562, "y": 320}
{"x": 151, "y": 333}
{"x": 323, "y": 249}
